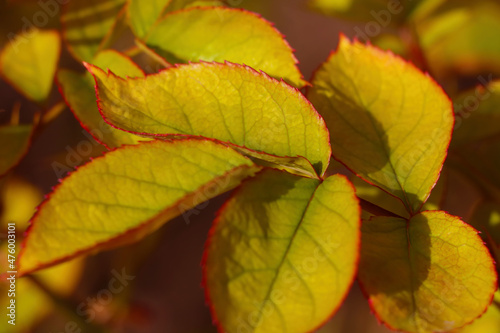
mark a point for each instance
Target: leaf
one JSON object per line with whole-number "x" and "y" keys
{"x": 142, "y": 17}
{"x": 127, "y": 194}
{"x": 79, "y": 93}
{"x": 486, "y": 218}
{"x": 29, "y": 62}
{"x": 390, "y": 123}
{"x": 14, "y": 144}
{"x": 87, "y": 24}
{"x": 382, "y": 13}
{"x": 477, "y": 109}
{"x": 182, "y": 4}
{"x": 429, "y": 274}
{"x": 282, "y": 253}
{"x": 220, "y": 34}
{"x": 456, "y": 37}
{"x": 489, "y": 322}
{"x": 18, "y": 199}
{"x": 245, "y": 108}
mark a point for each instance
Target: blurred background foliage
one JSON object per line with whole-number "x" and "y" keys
{"x": 456, "y": 42}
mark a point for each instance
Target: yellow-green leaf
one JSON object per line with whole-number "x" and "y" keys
{"x": 429, "y": 274}
{"x": 88, "y": 24}
{"x": 79, "y": 93}
{"x": 489, "y": 322}
{"x": 14, "y": 143}
{"x": 142, "y": 16}
{"x": 227, "y": 102}
{"x": 390, "y": 123}
{"x": 29, "y": 62}
{"x": 282, "y": 253}
{"x": 181, "y": 4}
{"x": 127, "y": 194}
{"x": 220, "y": 34}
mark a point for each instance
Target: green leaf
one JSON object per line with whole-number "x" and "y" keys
{"x": 79, "y": 93}
{"x": 127, "y": 194}
{"x": 429, "y": 274}
{"x": 245, "y": 108}
{"x": 14, "y": 144}
{"x": 143, "y": 16}
{"x": 220, "y": 34}
{"x": 88, "y": 24}
{"x": 282, "y": 253}
{"x": 389, "y": 123}
{"x": 29, "y": 62}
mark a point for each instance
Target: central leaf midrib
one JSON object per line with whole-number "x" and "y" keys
{"x": 285, "y": 255}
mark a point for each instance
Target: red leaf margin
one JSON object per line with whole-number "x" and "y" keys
{"x": 211, "y": 232}
{"x": 255, "y": 72}
{"x": 412, "y": 67}
{"x": 127, "y": 237}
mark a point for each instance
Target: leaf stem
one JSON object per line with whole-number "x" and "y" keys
{"x": 376, "y": 210}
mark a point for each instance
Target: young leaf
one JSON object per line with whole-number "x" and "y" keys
{"x": 87, "y": 25}
{"x": 79, "y": 93}
{"x": 220, "y": 34}
{"x": 127, "y": 194}
{"x": 390, "y": 123}
{"x": 282, "y": 253}
{"x": 429, "y": 274}
{"x": 29, "y": 62}
{"x": 245, "y": 108}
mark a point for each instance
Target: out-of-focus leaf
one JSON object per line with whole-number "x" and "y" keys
{"x": 244, "y": 107}
{"x": 14, "y": 143}
{"x": 431, "y": 273}
{"x": 79, "y": 93}
{"x": 126, "y": 194}
{"x": 181, "y": 4}
{"x": 477, "y": 115}
{"x": 389, "y": 123}
{"x": 19, "y": 200}
{"x": 457, "y": 37}
{"x": 88, "y": 24}
{"x": 282, "y": 253}
{"x": 486, "y": 218}
{"x": 32, "y": 304}
{"x": 29, "y": 62}
{"x": 383, "y": 13}
{"x": 220, "y": 34}
{"x": 142, "y": 16}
